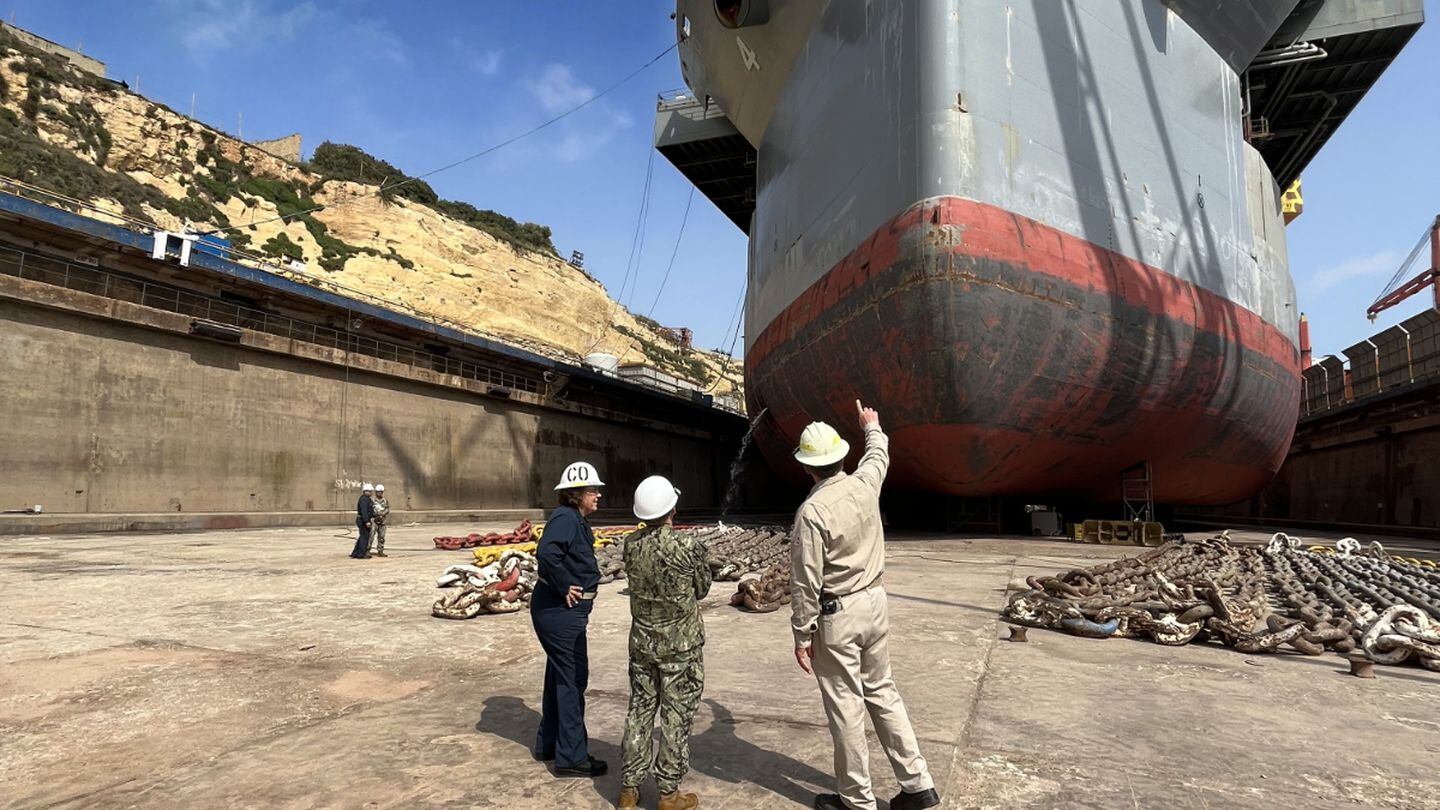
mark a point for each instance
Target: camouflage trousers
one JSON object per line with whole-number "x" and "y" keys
{"x": 379, "y": 537}
{"x": 672, "y": 689}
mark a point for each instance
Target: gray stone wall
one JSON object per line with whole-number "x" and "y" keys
{"x": 78, "y": 59}
{"x": 286, "y": 148}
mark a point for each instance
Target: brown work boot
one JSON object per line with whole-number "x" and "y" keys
{"x": 679, "y": 801}
{"x": 381, "y": 554}
{"x": 629, "y": 798}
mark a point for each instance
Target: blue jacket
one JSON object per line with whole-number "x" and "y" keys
{"x": 365, "y": 509}
{"x": 567, "y": 552}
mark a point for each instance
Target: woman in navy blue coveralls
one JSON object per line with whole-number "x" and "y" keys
{"x": 560, "y": 610}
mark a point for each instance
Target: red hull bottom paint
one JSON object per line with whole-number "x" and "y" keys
{"x": 1010, "y": 359}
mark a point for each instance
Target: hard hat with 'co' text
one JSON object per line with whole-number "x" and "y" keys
{"x": 579, "y": 475}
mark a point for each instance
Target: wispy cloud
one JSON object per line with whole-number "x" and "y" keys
{"x": 582, "y": 141}
{"x": 1376, "y": 265}
{"x": 207, "y": 28}
{"x": 557, "y": 89}
{"x": 373, "y": 38}
{"x": 210, "y": 26}
{"x": 487, "y": 63}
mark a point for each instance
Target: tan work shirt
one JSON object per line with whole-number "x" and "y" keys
{"x": 838, "y": 545}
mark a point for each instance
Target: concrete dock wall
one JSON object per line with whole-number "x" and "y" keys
{"x": 101, "y": 412}
{"x": 1389, "y": 478}
{"x": 1367, "y": 463}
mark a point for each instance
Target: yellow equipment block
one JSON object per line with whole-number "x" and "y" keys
{"x": 1292, "y": 204}
{"x": 1121, "y": 533}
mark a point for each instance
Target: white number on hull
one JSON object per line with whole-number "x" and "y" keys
{"x": 747, "y": 55}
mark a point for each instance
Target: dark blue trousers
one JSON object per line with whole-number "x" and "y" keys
{"x": 561, "y": 631}
{"x": 362, "y": 546}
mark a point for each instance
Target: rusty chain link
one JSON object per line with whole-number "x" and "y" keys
{"x": 1248, "y": 598}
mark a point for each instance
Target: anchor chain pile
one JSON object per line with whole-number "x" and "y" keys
{"x": 1249, "y": 598}
{"x": 763, "y": 592}
{"x": 757, "y": 557}
{"x": 503, "y": 586}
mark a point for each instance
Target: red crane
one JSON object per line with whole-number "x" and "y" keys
{"x": 1398, "y": 290}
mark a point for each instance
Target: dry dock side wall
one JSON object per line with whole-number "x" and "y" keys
{"x": 129, "y": 414}
{"x": 1382, "y": 472}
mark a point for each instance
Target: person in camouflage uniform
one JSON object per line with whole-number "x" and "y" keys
{"x": 380, "y": 511}
{"x": 667, "y": 575}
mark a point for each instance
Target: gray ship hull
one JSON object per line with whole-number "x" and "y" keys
{"x": 1032, "y": 233}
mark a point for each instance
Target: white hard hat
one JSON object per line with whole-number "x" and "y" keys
{"x": 379, "y": 487}
{"x": 820, "y": 445}
{"x": 655, "y": 497}
{"x": 579, "y": 475}
{"x": 368, "y": 488}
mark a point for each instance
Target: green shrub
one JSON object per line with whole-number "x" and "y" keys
{"x": 334, "y": 252}
{"x": 281, "y": 247}
{"x": 395, "y": 256}
{"x": 85, "y": 124}
{"x": 340, "y": 161}
{"x": 30, "y": 107}
{"x": 289, "y": 202}
{"x": 192, "y": 208}
{"x": 217, "y": 191}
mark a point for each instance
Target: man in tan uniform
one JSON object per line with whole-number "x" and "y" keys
{"x": 839, "y": 616}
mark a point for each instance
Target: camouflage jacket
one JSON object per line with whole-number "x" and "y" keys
{"x": 666, "y": 574}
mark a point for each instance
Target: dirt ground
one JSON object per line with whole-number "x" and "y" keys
{"x": 265, "y": 668}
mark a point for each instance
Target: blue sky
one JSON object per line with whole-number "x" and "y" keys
{"x": 421, "y": 84}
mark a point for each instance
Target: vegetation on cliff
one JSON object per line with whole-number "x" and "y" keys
{"x": 345, "y": 162}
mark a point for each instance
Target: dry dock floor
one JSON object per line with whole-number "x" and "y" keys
{"x": 266, "y": 669}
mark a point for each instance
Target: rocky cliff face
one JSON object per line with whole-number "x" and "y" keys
{"x": 140, "y": 162}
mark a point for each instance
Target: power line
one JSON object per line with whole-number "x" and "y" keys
{"x": 683, "y": 219}
{"x": 482, "y": 153}
{"x": 634, "y": 242}
{"x": 639, "y": 254}
{"x": 736, "y": 320}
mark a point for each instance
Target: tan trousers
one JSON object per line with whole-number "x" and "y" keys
{"x": 852, "y": 665}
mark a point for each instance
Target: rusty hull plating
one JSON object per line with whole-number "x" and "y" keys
{"x": 1014, "y": 359}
